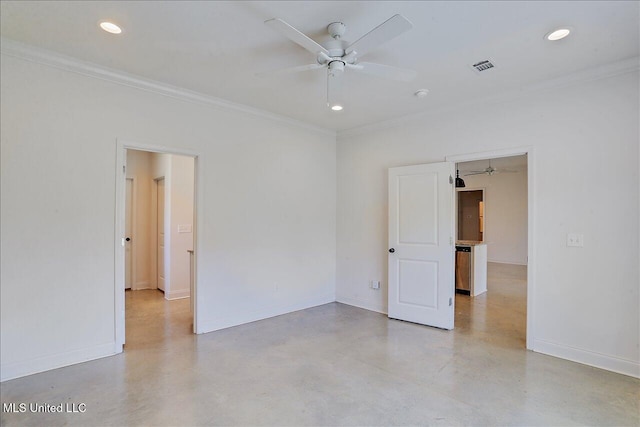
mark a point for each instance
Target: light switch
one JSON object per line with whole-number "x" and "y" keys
{"x": 575, "y": 240}
{"x": 184, "y": 228}
{"x": 375, "y": 284}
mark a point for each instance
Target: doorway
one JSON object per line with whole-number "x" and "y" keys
{"x": 156, "y": 230}
{"x": 493, "y": 227}
{"x": 525, "y": 250}
{"x": 128, "y": 232}
{"x": 470, "y": 210}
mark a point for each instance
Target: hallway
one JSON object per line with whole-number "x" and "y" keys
{"x": 331, "y": 365}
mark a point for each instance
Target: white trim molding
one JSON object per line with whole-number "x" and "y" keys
{"x": 366, "y": 305}
{"x": 586, "y": 357}
{"x": 531, "y": 221}
{"x": 53, "y": 59}
{"x": 121, "y": 145}
{"x": 54, "y": 361}
{"x": 253, "y": 314}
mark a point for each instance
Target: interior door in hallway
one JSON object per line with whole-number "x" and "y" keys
{"x": 128, "y": 221}
{"x": 160, "y": 234}
{"x": 421, "y": 249}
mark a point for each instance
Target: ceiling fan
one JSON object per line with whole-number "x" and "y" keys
{"x": 337, "y": 55}
{"x": 490, "y": 170}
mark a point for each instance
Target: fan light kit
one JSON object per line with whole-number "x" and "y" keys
{"x": 110, "y": 27}
{"x": 558, "y": 34}
{"x": 337, "y": 55}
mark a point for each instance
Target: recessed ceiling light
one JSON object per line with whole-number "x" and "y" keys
{"x": 558, "y": 34}
{"x": 110, "y": 27}
{"x": 336, "y": 107}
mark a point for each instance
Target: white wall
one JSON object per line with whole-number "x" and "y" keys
{"x": 505, "y": 214}
{"x": 585, "y": 139}
{"x": 266, "y": 244}
{"x": 180, "y": 211}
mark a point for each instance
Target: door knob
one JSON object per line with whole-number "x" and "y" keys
{"x": 392, "y": 250}
{"x": 128, "y": 239}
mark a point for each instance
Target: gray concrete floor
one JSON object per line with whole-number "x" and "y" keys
{"x": 332, "y": 365}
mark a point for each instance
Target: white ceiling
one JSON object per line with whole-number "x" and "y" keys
{"x": 216, "y": 47}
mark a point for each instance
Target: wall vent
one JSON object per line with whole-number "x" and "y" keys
{"x": 483, "y": 66}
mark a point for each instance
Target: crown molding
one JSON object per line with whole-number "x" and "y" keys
{"x": 625, "y": 66}
{"x": 57, "y": 60}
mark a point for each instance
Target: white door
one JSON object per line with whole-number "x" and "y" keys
{"x": 160, "y": 233}
{"x": 421, "y": 246}
{"x": 128, "y": 218}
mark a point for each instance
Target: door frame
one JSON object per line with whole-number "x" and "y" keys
{"x": 120, "y": 175}
{"x": 167, "y": 236}
{"x": 531, "y": 221}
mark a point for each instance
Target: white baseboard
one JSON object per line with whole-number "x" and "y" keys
{"x": 586, "y": 357}
{"x": 361, "y": 304}
{"x": 138, "y": 286}
{"x": 177, "y": 294}
{"x": 243, "y": 317}
{"x": 23, "y": 368}
{"x": 506, "y": 262}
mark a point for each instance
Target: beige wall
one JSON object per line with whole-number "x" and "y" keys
{"x": 505, "y": 214}
{"x": 139, "y": 168}
{"x": 178, "y": 173}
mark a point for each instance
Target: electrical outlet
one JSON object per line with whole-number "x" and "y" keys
{"x": 375, "y": 284}
{"x": 575, "y": 240}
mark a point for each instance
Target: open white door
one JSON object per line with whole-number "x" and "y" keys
{"x": 421, "y": 244}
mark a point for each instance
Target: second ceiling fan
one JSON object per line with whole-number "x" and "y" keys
{"x": 490, "y": 170}
{"x": 337, "y": 55}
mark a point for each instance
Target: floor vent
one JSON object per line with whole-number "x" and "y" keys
{"x": 483, "y": 66}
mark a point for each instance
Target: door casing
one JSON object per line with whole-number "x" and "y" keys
{"x": 531, "y": 222}
{"x": 120, "y": 174}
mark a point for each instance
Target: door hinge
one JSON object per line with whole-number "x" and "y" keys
{"x": 450, "y": 179}
{"x": 450, "y": 240}
{"x": 450, "y": 302}
{"x": 124, "y": 169}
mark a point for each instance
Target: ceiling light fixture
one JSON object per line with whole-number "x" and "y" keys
{"x": 558, "y": 34}
{"x": 422, "y": 93}
{"x": 110, "y": 27}
{"x": 336, "y": 107}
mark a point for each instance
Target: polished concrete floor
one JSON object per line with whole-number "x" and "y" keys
{"x": 332, "y": 365}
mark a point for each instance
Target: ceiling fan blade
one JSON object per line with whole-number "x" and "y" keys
{"x": 290, "y": 70}
{"x": 384, "y": 32}
{"x": 296, "y": 36}
{"x": 475, "y": 173}
{"x": 385, "y": 71}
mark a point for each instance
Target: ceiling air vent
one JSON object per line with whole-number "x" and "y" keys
{"x": 483, "y": 66}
